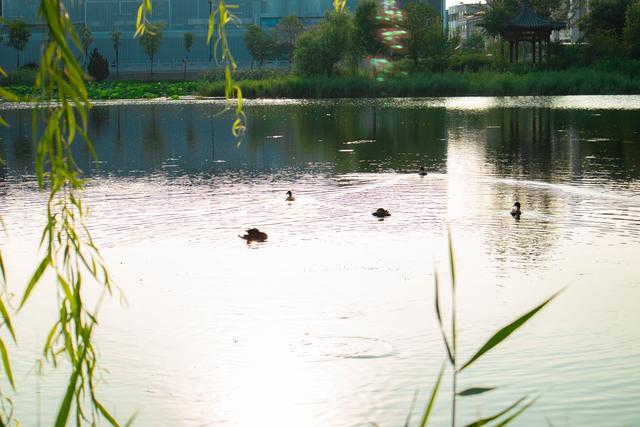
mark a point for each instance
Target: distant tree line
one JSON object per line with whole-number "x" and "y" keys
{"x": 340, "y": 41}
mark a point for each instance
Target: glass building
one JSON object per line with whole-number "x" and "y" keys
{"x": 178, "y": 16}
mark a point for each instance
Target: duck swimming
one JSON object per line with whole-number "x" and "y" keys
{"x": 422, "y": 172}
{"x": 381, "y": 213}
{"x": 515, "y": 210}
{"x": 254, "y": 235}
{"x": 290, "y": 197}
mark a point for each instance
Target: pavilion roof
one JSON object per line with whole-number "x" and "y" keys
{"x": 528, "y": 19}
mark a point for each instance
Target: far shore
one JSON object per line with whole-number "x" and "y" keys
{"x": 574, "y": 81}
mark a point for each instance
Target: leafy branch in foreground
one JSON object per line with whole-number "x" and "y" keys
{"x": 70, "y": 253}
{"x": 505, "y": 416}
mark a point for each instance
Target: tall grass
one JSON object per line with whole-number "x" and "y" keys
{"x": 581, "y": 81}
{"x": 450, "y": 339}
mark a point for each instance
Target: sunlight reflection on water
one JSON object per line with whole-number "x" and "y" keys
{"x": 330, "y": 321}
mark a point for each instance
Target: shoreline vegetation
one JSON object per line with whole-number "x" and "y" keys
{"x": 599, "y": 79}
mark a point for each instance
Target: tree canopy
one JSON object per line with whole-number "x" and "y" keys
{"x": 286, "y": 33}
{"x": 368, "y": 28}
{"x": 319, "y": 50}
{"x": 425, "y": 37}
{"x": 261, "y": 44}
{"x": 151, "y": 41}
{"x": 631, "y": 30}
{"x": 19, "y": 35}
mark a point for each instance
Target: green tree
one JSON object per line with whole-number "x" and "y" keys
{"x": 455, "y": 41}
{"x": 98, "y": 66}
{"x": 603, "y": 26}
{"x": 321, "y": 49}
{"x": 189, "y": 39}
{"x": 261, "y": 45}
{"x": 425, "y": 38}
{"x": 496, "y": 18}
{"x": 286, "y": 33}
{"x": 473, "y": 43}
{"x": 115, "y": 40}
{"x": 631, "y": 31}
{"x": 151, "y": 41}
{"x": 86, "y": 39}
{"x": 19, "y": 36}
{"x": 368, "y": 27}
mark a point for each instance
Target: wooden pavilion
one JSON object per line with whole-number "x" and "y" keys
{"x": 527, "y": 26}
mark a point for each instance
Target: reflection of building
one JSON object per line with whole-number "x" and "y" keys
{"x": 178, "y": 16}
{"x": 464, "y": 18}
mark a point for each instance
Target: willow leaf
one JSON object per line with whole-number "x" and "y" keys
{"x": 34, "y": 280}
{"x": 7, "y": 319}
{"x": 6, "y": 364}
{"x": 503, "y": 333}
{"x": 106, "y": 414}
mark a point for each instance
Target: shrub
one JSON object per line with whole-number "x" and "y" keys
{"x": 98, "y": 66}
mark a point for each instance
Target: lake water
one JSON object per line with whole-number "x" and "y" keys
{"x": 331, "y": 321}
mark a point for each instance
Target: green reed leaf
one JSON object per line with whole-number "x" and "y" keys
{"x": 130, "y": 421}
{"x": 484, "y": 421}
{"x": 475, "y": 390}
{"x": 503, "y": 333}
{"x": 432, "y": 399}
{"x": 6, "y": 364}
{"x": 413, "y": 404}
{"x": 516, "y": 414}
{"x": 440, "y": 321}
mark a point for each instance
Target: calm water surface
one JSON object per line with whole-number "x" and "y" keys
{"x": 331, "y": 321}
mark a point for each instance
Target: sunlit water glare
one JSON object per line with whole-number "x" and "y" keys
{"x": 331, "y": 321}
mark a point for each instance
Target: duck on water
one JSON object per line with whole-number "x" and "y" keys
{"x": 254, "y": 235}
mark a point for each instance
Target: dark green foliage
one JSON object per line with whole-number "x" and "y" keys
{"x": 631, "y": 30}
{"x": 19, "y": 35}
{"x": 605, "y": 19}
{"x": 21, "y": 77}
{"x": 466, "y": 62}
{"x": 368, "y": 27}
{"x": 98, "y": 67}
{"x": 86, "y": 39}
{"x": 217, "y": 75}
{"x": 151, "y": 41}
{"x": 473, "y": 43}
{"x": 584, "y": 81}
{"x": 320, "y": 50}
{"x": 496, "y": 18}
{"x": 261, "y": 45}
{"x": 425, "y": 38}
{"x": 497, "y": 14}
{"x": 286, "y": 33}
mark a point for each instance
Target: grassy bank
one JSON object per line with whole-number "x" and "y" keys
{"x": 125, "y": 90}
{"x": 484, "y": 83}
{"x": 577, "y": 81}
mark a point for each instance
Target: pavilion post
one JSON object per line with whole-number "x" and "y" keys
{"x": 533, "y": 51}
